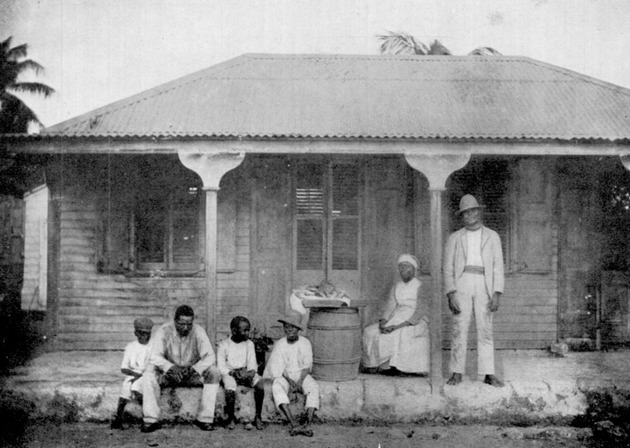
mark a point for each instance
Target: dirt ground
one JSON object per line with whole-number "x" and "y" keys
{"x": 97, "y": 435}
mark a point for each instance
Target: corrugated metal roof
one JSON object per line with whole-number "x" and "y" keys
{"x": 347, "y": 96}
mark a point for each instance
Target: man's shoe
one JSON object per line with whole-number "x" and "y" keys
{"x": 455, "y": 379}
{"x": 301, "y": 431}
{"x": 117, "y": 423}
{"x": 151, "y": 427}
{"x": 204, "y": 426}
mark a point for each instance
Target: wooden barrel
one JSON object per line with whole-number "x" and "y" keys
{"x": 335, "y": 334}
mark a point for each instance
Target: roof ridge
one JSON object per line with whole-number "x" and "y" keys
{"x": 577, "y": 75}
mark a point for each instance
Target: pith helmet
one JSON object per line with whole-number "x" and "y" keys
{"x": 293, "y": 318}
{"x": 468, "y": 202}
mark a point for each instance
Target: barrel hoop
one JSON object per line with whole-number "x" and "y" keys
{"x": 345, "y": 361}
{"x": 322, "y": 327}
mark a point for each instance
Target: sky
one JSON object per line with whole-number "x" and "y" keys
{"x": 98, "y": 51}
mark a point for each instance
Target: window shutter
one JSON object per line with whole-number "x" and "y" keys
{"x": 534, "y": 229}
{"x": 309, "y": 201}
{"x": 113, "y": 237}
{"x": 345, "y": 213}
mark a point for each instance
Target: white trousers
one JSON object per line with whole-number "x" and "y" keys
{"x": 151, "y": 397}
{"x": 229, "y": 383}
{"x": 472, "y": 296}
{"x": 131, "y": 384}
{"x": 280, "y": 389}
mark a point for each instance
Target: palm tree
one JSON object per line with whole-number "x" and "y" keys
{"x": 15, "y": 116}
{"x": 406, "y": 44}
{"x": 17, "y": 171}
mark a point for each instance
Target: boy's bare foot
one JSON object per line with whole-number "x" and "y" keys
{"x": 455, "y": 379}
{"x": 493, "y": 381}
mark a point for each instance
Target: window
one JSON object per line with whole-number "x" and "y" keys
{"x": 488, "y": 180}
{"x": 167, "y": 219}
{"x": 327, "y": 222}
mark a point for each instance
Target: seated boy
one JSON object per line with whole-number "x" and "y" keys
{"x": 289, "y": 368}
{"x": 135, "y": 360}
{"x": 236, "y": 360}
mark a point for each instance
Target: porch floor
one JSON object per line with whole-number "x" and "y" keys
{"x": 539, "y": 386}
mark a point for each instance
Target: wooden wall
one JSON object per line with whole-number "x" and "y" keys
{"x": 527, "y": 317}
{"x": 95, "y": 309}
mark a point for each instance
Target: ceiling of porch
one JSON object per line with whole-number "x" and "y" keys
{"x": 368, "y": 97}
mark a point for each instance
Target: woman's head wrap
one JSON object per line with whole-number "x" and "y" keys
{"x": 409, "y": 259}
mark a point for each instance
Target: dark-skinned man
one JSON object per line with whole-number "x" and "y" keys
{"x": 473, "y": 282}
{"x": 289, "y": 368}
{"x": 182, "y": 355}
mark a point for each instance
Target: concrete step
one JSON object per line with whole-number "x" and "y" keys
{"x": 539, "y": 387}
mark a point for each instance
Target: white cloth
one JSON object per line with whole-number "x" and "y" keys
{"x": 231, "y": 356}
{"x": 291, "y": 359}
{"x": 135, "y": 358}
{"x": 297, "y": 297}
{"x": 407, "y": 348}
{"x": 472, "y": 294}
{"x": 473, "y": 254}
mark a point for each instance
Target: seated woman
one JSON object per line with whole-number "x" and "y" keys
{"x": 401, "y": 336}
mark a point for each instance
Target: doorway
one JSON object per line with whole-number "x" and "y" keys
{"x": 327, "y": 198}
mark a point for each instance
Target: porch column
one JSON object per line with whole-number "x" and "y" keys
{"x": 210, "y": 167}
{"x": 437, "y": 169}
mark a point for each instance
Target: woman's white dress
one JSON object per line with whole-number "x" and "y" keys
{"x": 407, "y": 348}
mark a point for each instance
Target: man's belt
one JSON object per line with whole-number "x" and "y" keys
{"x": 474, "y": 270}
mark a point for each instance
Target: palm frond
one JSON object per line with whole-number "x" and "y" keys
{"x": 33, "y": 87}
{"x": 401, "y": 43}
{"x": 484, "y": 51}
{"x": 437, "y": 49}
{"x": 16, "y": 53}
{"x": 15, "y": 116}
{"x": 29, "y": 64}
{"x": 5, "y": 44}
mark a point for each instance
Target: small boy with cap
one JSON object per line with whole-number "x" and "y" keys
{"x": 134, "y": 362}
{"x": 289, "y": 368}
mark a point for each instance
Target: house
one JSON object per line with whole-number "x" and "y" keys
{"x": 227, "y": 188}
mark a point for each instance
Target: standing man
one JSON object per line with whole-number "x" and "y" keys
{"x": 181, "y": 356}
{"x": 473, "y": 282}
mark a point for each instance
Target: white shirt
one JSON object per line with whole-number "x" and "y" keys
{"x": 231, "y": 355}
{"x": 473, "y": 252}
{"x": 290, "y": 358}
{"x": 136, "y": 357}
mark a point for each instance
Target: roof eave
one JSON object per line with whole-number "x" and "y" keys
{"x": 43, "y": 144}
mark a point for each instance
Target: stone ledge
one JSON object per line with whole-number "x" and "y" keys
{"x": 368, "y": 397}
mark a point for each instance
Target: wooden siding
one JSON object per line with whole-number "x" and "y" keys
{"x": 96, "y": 310}
{"x": 527, "y": 316}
